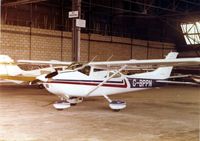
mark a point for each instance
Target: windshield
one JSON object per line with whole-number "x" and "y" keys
{"x": 85, "y": 70}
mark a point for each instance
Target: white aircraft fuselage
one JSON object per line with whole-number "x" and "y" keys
{"x": 89, "y": 81}
{"x": 78, "y": 84}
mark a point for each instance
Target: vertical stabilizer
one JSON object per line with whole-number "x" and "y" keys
{"x": 8, "y": 67}
{"x": 161, "y": 72}
{"x": 165, "y": 72}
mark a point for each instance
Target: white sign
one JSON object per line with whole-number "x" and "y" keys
{"x": 80, "y": 23}
{"x": 73, "y": 14}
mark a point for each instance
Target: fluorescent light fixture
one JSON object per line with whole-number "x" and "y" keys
{"x": 191, "y": 33}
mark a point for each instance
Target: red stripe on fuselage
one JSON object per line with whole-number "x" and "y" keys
{"x": 88, "y": 83}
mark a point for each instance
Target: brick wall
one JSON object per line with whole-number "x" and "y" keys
{"x": 40, "y": 44}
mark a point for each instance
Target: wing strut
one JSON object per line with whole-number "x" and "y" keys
{"x": 115, "y": 105}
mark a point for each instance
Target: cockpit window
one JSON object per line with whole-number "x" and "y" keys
{"x": 85, "y": 70}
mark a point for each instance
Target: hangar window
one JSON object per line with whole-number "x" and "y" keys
{"x": 191, "y": 32}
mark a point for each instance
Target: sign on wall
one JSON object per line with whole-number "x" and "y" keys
{"x": 80, "y": 23}
{"x": 73, "y": 14}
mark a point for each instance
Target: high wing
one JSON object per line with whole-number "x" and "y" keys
{"x": 149, "y": 63}
{"x": 131, "y": 64}
{"x": 52, "y": 62}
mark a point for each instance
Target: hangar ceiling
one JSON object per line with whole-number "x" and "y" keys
{"x": 142, "y": 19}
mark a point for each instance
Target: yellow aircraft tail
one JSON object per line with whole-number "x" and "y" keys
{"x": 9, "y": 70}
{"x": 8, "y": 67}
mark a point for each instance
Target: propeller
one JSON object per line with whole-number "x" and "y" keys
{"x": 45, "y": 77}
{"x": 52, "y": 74}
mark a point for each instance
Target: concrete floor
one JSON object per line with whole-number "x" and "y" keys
{"x": 165, "y": 114}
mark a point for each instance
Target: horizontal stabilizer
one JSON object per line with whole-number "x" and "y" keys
{"x": 176, "y": 82}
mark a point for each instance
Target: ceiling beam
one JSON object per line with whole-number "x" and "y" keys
{"x": 20, "y": 2}
{"x": 190, "y": 2}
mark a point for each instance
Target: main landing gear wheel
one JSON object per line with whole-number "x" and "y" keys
{"x": 75, "y": 100}
{"x": 117, "y": 105}
{"x": 61, "y": 105}
{"x": 40, "y": 86}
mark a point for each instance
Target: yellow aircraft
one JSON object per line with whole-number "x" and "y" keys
{"x": 11, "y": 72}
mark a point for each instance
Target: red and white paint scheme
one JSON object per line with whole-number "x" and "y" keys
{"x": 93, "y": 79}
{"x": 74, "y": 81}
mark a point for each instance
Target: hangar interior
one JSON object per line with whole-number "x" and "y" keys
{"x": 115, "y": 30}
{"x": 125, "y": 29}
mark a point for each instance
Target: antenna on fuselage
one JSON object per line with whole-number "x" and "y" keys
{"x": 86, "y": 64}
{"x": 93, "y": 58}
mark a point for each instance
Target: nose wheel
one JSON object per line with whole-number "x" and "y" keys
{"x": 67, "y": 102}
{"x": 117, "y": 105}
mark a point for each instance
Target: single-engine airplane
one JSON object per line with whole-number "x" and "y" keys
{"x": 100, "y": 79}
{"x": 11, "y": 72}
